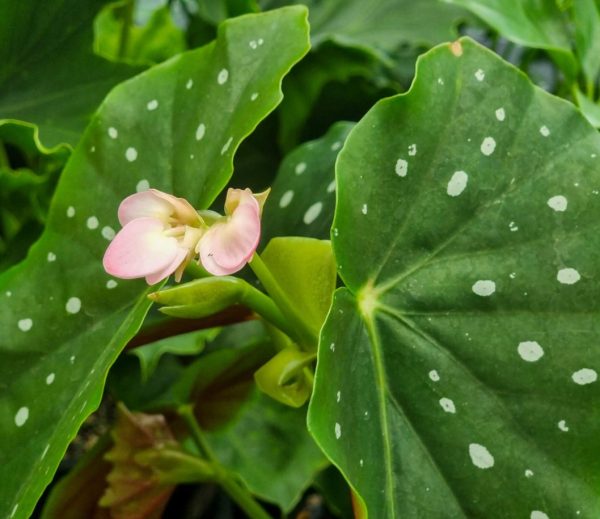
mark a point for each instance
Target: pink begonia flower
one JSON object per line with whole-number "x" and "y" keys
{"x": 162, "y": 233}
{"x": 159, "y": 234}
{"x": 231, "y": 241}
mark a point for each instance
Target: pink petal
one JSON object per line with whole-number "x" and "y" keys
{"x": 227, "y": 246}
{"x": 169, "y": 269}
{"x": 147, "y": 204}
{"x": 141, "y": 249}
{"x": 183, "y": 210}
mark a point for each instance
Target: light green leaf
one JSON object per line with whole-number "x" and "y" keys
{"x": 302, "y": 198}
{"x": 457, "y": 373}
{"x": 534, "y": 23}
{"x": 49, "y": 74}
{"x": 586, "y": 22}
{"x": 589, "y": 108}
{"x": 62, "y": 320}
{"x": 305, "y": 269}
{"x": 379, "y": 26}
{"x": 269, "y": 447}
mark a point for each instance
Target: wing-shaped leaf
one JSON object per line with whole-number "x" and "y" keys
{"x": 62, "y": 320}
{"x": 457, "y": 373}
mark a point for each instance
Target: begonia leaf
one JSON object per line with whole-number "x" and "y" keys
{"x": 63, "y": 321}
{"x": 468, "y": 217}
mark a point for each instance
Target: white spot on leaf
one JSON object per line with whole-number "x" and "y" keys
{"x": 200, "y": 131}
{"x": 300, "y": 168}
{"x": 189, "y": 84}
{"x": 528, "y": 473}
{"x": 226, "y": 146}
{"x": 331, "y": 187}
{"x": 70, "y": 211}
{"x": 401, "y": 168}
{"x": 434, "y": 375}
{"x": 536, "y": 514}
{"x": 530, "y": 351}
{"x": 480, "y": 75}
{"x": 480, "y": 456}
{"x": 223, "y": 76}
{"x": 488, "y": 146}
{"x": 22, "y": 416}
{"x": 131, "y": 154}
{"x": 254, "y": 96}
{"x": 92, "y": 223}
{"x": 457, "y": 183}
{"x": 111, "y": 283}
{"x": 286, "y": 198}
{"x": 484, "y": 287}
{"x": 51, "y": 257}
{"x": 312, "y": 213}
{"x": 544, "y": 131}
{"x": 412, "y": 150}
{"x": 142, "y": 185}
{"x": 108, "y": 233}
{"x": 364, "y": 209}
{"x": 50, "y": 378}
{"x": 568, "y": 276}
{"x": 25, "y": 324}
{"x": 73, "y": 305}
{"x": 338, "y": 431}
{"x": 562, "y": 425}
{"x": 558, "y": 203}
{"x": 500, "y": 114}
{"x": 447, "y": 405}
{"x": 584, "y": 376}
{"x": 152, "y": 105}
{"x": 113, "y": 133}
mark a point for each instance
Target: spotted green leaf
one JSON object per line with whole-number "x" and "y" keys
{"x": 302, "y": 198}
{"x": 457, "y": 372}
{"x": 63, "y": 321}
{"x": 49, "y": 74}
{"x": 534, "y": 23}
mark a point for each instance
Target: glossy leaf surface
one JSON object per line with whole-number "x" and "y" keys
{"x": 468, "y": 216}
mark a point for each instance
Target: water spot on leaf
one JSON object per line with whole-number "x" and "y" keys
{"x": 488, "y": 146}
{"x": 568, "y": 276}
{"x": 92, "y": 222}
{"x": 447, "y": 405}
{"x": 131, "y": 154}
{"x": 480, "y": 456}
{"x": 286, "y": 198}
{"x": 457, "y": 183}
{"x": 22, "y": 416}
{"x": 584, "y": 376}
{"x": 73, "y": 305}
{"x": 25, "y": 324}
{"x": 484, "y": 287}
{"x": 312, "y": 213}
{"x": 401, "y": 167}
{"x": 558, "y": 203}
{"x": 530, "y": 351}
{"x": 223, "y": 76}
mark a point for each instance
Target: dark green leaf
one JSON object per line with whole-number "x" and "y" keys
{"x": 457, "y": 373}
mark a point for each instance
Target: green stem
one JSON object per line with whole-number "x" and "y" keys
{"x": 125, "y": 28}
{"x": 237, "y": 492}
{"x": 276, "y": 292}
{"x": 266, "y": 308}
